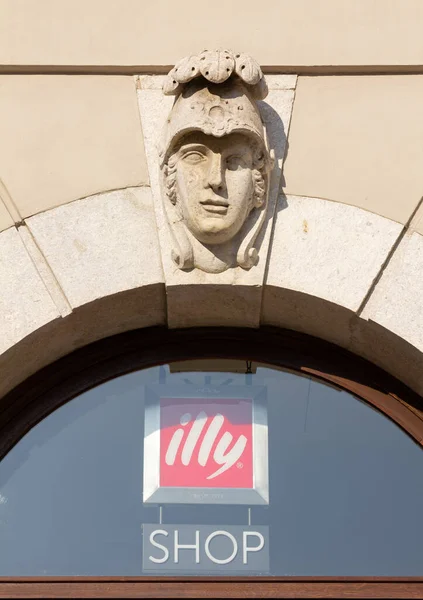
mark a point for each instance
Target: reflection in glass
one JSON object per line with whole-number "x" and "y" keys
{"x": 345, "y": 485}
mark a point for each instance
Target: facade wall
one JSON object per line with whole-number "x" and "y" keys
{"x": 304, "y": 34}
{"x": 80, "y": 256}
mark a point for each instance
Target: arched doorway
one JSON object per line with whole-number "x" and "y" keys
{"x": 329, "y": 455}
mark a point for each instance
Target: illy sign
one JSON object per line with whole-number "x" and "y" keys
{"x": 206, "y": 446}
{"x": 206, "y": 449}
{"x": 205, "y": 549}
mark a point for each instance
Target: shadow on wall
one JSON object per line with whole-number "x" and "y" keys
{"x": 278, "y": 144}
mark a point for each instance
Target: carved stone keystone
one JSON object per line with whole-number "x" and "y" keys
{"x": 215, "y": 161}
{"x": 209, "y": 143}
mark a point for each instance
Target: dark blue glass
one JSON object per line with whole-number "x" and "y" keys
{"x": 346, "y": 484}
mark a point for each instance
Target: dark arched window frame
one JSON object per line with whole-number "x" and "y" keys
{"x": 88, "y": 367}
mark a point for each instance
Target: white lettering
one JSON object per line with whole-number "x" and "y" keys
{"x": 221, "y": 455}
{"x": 193, "y": 437}
{"x": 178, "y": 546}
{"x": 229, "y": 459}
{"x": 246, "y": 548}
{"x": 157, "y": 545}
{"x": 221, "y": 561}
{"x": 176, "y": 440}
{"x": 174, "y": 447}
{"x": 210, "y": 438}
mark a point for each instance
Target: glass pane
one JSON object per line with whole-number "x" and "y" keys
{"x": 345, "y": 483}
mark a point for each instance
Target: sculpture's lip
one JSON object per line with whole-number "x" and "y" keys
{"x": 215, "y": 206}
{"x": 214, "y": 202}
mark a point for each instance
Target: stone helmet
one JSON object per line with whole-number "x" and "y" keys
{"x": 207, "y": 104}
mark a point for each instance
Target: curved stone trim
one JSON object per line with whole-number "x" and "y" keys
{"x": 101, "y": 245}
{"x": 25, "y": 304}
{"x": 397, "y": 302}
{"x": 318, "y": 283}
{"x": 318, "y": 248}
{"x": 101, "y": 257}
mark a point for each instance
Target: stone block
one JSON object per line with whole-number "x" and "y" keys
{"x": 328, "y": 250}
{"x": 101, "y": 246}
{"x": 397, "y": 301}
{"x": 25, "y": 304}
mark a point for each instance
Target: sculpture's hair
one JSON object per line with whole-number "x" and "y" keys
{"x": 259, "y": 175}
{"x": 170, "y": 178}
{"x": 246, "y": 256}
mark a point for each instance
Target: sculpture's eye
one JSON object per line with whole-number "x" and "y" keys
{"x": 235, "y": 162}
{"x": 193, "y": 157}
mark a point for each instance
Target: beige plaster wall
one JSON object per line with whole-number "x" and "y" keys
{"x": 280, "y": 32}
{"x": 358, "y": 140}
{"x": 417, "y": 223}
{"x": 64, "y": 137}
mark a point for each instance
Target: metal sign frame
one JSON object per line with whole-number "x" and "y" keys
{"x": 156, "y": 494}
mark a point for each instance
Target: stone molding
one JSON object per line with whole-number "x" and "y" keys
{"x": 92, "y": 268}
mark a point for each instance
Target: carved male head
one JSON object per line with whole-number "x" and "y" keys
{"x": 215, "y": 164}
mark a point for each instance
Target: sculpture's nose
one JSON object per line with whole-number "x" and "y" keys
{"x": 216, "y": 175}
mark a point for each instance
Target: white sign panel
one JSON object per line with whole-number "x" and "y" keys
{"x": 205, "y": 549}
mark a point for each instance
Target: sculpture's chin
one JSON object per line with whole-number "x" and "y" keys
{"x": 214, "y": 239}
{"x": 213, "y": 233}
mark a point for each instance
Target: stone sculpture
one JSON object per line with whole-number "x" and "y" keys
{"x": 215, "y": 161}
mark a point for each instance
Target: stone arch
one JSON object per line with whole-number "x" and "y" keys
{"x": 92, "y": 268}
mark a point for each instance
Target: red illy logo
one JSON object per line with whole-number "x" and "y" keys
{"x": 206, "y": 443}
